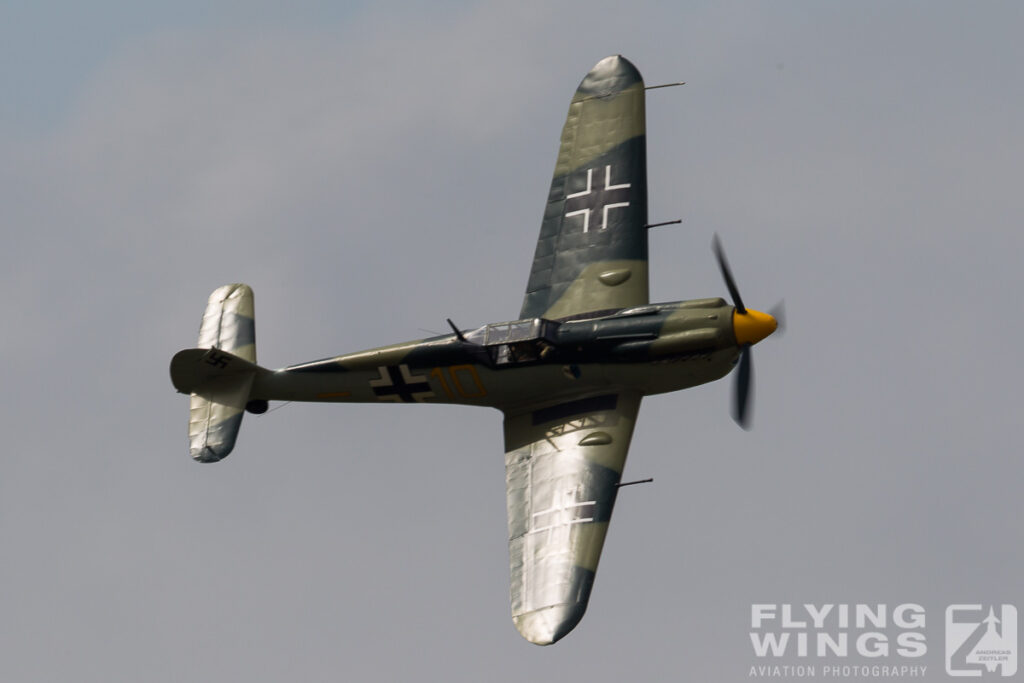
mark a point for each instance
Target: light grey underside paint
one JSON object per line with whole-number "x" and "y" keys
{"x": 561, "y": 478}
{"x": 216, "y": 416}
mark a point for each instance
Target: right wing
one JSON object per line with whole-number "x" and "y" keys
{"x": 563, "y": 464}
{"x": 592, "y": 250}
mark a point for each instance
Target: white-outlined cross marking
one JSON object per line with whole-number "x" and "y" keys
{"x": 398, "y": 384}
{"x": 565, "y": 511}
{"x": 598, "y": 199}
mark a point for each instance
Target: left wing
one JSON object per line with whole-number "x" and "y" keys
{"x": 562, "y": 467}
{"x": 592, "y": 251}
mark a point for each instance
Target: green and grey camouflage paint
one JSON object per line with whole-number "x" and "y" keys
{"x": 569, "y": 376}
{"x": 594, "y": 228}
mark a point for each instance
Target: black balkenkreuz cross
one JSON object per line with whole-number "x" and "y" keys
{"x": 601, "y": 199}
{"x": 397, "y": 384}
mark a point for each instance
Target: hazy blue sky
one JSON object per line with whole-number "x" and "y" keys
{"x": 371, "y": 171}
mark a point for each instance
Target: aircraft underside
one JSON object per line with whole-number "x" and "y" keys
{"x": 569, "y": 374}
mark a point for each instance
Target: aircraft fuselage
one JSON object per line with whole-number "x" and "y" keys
{"x": 647, "y": 349}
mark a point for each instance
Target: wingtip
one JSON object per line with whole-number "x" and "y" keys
{"x": 612, "y": 74}
{"x": 549, "y": 624}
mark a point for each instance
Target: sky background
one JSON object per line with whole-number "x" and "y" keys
{"x": 370, "y": 171}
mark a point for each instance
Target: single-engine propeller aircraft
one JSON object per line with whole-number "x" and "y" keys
{"x": 568, "y": 373}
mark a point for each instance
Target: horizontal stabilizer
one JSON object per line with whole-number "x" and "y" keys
{"x": 229, "y": 322}
{"x": 219, "y": 384}
{"x": 219, "y": 375}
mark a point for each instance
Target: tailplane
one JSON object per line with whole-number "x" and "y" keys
{"x": 219, "y": 374}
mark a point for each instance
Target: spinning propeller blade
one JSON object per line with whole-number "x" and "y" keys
{"x": 778, "y": 311}
{"x": 723, "y": 265}
{"x": 750, "y": 327}
{"x": 742, "y": 390}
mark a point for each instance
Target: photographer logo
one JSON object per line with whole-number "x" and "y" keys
{"x": 981, "y": 640}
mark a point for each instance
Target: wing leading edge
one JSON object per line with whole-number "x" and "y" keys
{"x": 592, "y": 251}
{"x": 562, "y": 467}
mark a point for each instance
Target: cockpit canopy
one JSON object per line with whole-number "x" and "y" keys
{"x": 517, "y": 341}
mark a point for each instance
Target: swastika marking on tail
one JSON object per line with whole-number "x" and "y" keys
{"x": 217, "y": 359}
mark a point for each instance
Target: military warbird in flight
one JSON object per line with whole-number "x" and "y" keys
{"x": 568, "y": 373}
